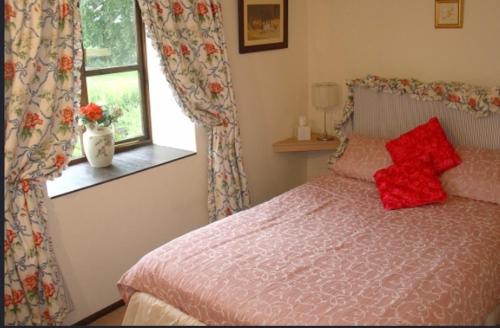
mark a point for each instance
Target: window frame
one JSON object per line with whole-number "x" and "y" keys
{"x": 142, "y": 70}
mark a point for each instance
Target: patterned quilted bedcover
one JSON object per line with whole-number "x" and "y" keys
{"x": 327, "y": 252}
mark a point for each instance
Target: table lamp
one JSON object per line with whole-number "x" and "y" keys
{"x": 325, "y": 96}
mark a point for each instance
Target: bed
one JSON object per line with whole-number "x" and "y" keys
{"x": 328, "y": 253}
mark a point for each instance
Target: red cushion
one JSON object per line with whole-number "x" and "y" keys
{"x": 410, "y": 184}
{"x": 428, "y": 138}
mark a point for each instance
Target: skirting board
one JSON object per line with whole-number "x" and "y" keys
{"x": 99, "y": 314}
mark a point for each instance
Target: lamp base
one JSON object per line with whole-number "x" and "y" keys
{"x": 325, "y": 137}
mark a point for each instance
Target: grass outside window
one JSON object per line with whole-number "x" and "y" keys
{"x": 114, "y": 70}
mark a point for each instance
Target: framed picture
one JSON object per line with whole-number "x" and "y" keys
{"x": 263, "y": 25}
{"x": 449, "y": 13}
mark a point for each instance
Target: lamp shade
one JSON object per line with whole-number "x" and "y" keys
{"x": 325, "y": 95}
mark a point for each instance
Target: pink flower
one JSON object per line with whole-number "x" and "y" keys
{"x": 210, "y": 48}
{"x": 9, "y": 70}
{"x": 59, "y": 161}
{"x": 9, "y": 12}
{"x": 168, "y": 50}
{"x": 215, "y": 88}
{"x": 47, "y": 316}
{"x": 65, "y": 63}
{"x": 177, "y": 9}
{"x": 9, "y": 238}
{"x": 496, "y": 101}
{"x": 202, "y": 8}
{"x": 67, "y": 115}
{"x": 453, "y": 98}
{"x": 10, "y": 235}
{"x": 438, "y": 89}
{"x": 472, "y": 102}
{"x": 37, "y": 238}
{"x": 92, "y": 112}
{"x": 215, "y": 8}
{"x": 31, "y": 282}
{"x": 64, "y": 10}
{"x": 185, "y": 50}
{"x": 48, "y": 290}
{"x": 32, "y": 120}
{"x": 17, "y": 296}
{"x": 25, "y": 185}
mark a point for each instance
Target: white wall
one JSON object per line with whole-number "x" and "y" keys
{"x": 169, "y": 126}
{"x": 397, "y": 38}
{"x": 98, "y": 233}
{"x": 271, "y": 92}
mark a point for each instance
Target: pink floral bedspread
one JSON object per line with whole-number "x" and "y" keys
{"x": 328, "y": 253}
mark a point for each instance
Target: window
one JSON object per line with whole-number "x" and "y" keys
{"x": 114, "y": 69}
{"x": 115, "y": 73}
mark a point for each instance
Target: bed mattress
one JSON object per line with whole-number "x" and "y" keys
{"x": 146, "y": 310}
{"x": 328, "y": 253}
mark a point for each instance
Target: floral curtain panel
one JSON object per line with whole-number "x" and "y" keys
{"x": 43, "y": 56}
{"x": 476, "y": 100}
{"x": 188, "y": 35}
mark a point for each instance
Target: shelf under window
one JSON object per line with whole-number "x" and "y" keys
{"x": 81, "y": 176}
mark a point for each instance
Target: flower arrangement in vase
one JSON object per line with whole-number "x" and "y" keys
{"x": 98, "y": 138}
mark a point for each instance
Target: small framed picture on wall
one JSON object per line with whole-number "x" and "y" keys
{"x": 262, "y": 24}
{"x": 449, "y": 13}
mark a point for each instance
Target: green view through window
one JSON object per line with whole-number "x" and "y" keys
{"x": 114, "y": 69}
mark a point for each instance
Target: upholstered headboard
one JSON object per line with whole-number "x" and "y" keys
{"x": 382, "y": 107}
{"x": 386, "y": 115}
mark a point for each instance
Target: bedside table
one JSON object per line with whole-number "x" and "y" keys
{"x": 293, "y": 145}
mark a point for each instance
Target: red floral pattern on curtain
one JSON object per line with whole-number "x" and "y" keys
{"x": 188, "y": 35}
{"x": 42, "y": 90}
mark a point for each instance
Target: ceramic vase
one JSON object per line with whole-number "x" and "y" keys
{"x": 99, "y": 146}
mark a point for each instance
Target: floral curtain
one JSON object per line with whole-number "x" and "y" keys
{"x": 43, "y": 56}
{"x": 476, "y": 100}
{"x": 189, "y": 37}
